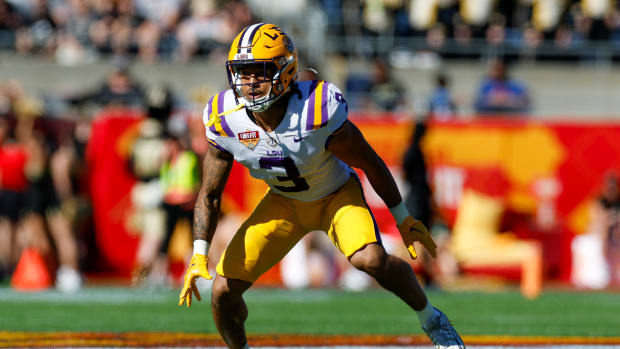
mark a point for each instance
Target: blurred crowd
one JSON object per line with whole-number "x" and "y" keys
{"x": 511, "y": 23}
{"x": 498, "y": 94}
{"x": 45, "y": 194}
{"x": 76, "y": 31}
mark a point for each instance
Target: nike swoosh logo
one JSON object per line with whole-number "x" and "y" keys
{"x": 297, "y": 139}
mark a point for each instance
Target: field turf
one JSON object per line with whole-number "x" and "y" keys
{"x": 321, "y": 312}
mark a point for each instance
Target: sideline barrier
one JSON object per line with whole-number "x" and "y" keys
{"x": 551, "y": 172}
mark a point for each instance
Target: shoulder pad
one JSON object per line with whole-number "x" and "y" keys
{"x": 216, "y": 115}
{"x": 325, "y": 105}
{"x": 317, "y": 111}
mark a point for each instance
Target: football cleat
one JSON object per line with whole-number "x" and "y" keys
{"x": 442, "y": 334}
{"x": 269, "y": 47}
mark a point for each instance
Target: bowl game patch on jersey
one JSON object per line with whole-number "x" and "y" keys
{"x": 249, "y": 138}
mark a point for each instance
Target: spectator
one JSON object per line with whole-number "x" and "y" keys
{"x": 436, "y": 37}
{"x": 39, "y": 32}
{"x": 210, "y": 27}
{"x": 376, "y": 16}
{"x": 148, "y": 218}
{"x": 112, "y": 31}
{"x": 69, "y": 220}
{"x": 10, "y": 21}
{"x": 610, "y": 203}
{"x": 500, "y": 94}
{"x": 14, "y": 161}
{"x": 564, "y": 37}
{"x": 168, "y": 174}
{"x": 462, "y": 32}
{"x": 496, "y": 32}
{"x": 12, "y": 190}
{"x": 79, "y": 20}
{"x": 180, "y": 178}
{"x": 159, "y": 19}
{"x": 50, "y": 203}
{"x": 387, "y": 93}
{"x": 119, "y": 89}
{"x": 73, "y": 19}
{"x": 40, "y": 199}
{"x": 441, "y": 103}
{"x": 379, "y": 91}
{"x": 596, "y": 254}
{"x": 357, "y": 88}
{"x": 419, "y": 197}
{"x": 581, "y": 23}
{"x": 532, "y": 37}
{"x": 148, "y": 155}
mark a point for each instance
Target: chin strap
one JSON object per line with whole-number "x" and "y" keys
{"x": 213, "y": 118}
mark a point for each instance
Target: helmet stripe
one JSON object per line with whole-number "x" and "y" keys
{"x": 246, "y": 39}
{"x": 251, "y": 39}
{"x": 240, "y": 39}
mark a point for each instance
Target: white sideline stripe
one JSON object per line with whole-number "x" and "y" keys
{"x": 593, "y": 346}
{"x": 144, "y": 295}
{"x": 98, "y": 295}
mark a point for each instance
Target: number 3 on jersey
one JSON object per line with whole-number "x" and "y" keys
{"x": 292, "y": 173}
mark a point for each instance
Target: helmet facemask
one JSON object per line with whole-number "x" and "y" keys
{"x": 264, "y": 72}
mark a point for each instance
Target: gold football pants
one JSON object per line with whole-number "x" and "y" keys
{"x": 278, "y": 223}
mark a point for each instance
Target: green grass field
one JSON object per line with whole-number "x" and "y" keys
{"x": 312, "y": 312}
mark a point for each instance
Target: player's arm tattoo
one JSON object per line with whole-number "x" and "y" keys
{"x": 216, "y": 168}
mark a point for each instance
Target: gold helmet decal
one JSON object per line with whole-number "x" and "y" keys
{"x": 265, "y": 44}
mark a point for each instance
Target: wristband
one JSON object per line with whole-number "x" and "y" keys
{"x": 201, "y": 247}
{"x": 399, "y": 212}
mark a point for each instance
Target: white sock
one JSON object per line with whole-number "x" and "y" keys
{"x": 426, "y": 314}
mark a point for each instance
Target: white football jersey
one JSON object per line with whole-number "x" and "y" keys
{"x": 292, "y": 159}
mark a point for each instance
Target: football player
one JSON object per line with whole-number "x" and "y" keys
{"x": 296, "y": 137}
